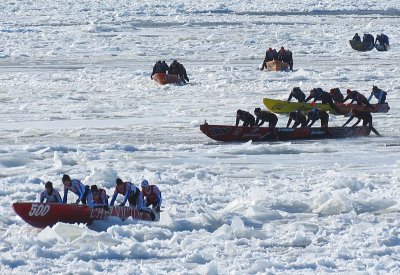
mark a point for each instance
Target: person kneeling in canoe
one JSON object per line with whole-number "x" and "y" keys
{"x": 131, "y": 194}
{"x": 178, "y": 69}
{"x": 152, "y": 195}
{"x": 97, "y": 198}
{"x": 51, "y": 195}
{"x": 298, "y": 94}
{"x": 357, "y": 38}
{"x": 247, "y": 118}
{"x": 316, "y": 114}
{"x": 325, "y": 97}
{"x": 366, "y": 117}
{"x": 265, "y": 116}
{"x": 77, "y": 187}
{"x": 379, "y": 94}
{"x": 299, "y": 119}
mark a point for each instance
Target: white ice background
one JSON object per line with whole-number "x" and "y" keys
{"x": 76, "y": 97}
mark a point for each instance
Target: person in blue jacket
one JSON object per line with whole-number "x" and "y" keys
{"x": 77, "y": 187}
{"x": 131, "y": 193}
{"x": 379, "y": 94}
{"x": 51, "y": 195}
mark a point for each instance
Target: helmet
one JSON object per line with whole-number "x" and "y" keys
{"x": 298, "y": 110}
{"x": 315, "y": 109}
{"x": 118, "y": 181}
{"x": 94, "y": 188}
{"x": 144, "y": 184}
{"x": 332, "y": 91}
{"x": 238, "y": 111}
{"x": 65, "y": 177}
{"x": 348, "y": 91}
{"x": 49, "y": 184}
{"x": 256, "y": 110}
{"x": 374, "y": 87}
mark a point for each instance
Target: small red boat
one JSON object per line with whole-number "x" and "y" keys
{"x": 163, "y": 79}
{"x": 42, "y": 215}
{"x": 276, "y": 65}
{"x": 228, "y": 133}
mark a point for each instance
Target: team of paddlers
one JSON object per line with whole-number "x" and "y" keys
{"x": 175, "y": 68}
{"x": 382, "y": 39}
{"x": 333, "y": 97}
{"x": 94, "y": 197}
{"x": 283, "y": 55}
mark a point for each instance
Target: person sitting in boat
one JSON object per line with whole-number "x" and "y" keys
{"x": 379, "y": 94}
{"x": 77, "y": 187}
{"x": 157, "y": 68}
{"x": 316, "y": 114}
{"x": 368, "y": 38}
{"x": 247, "y": 118}
{"x": 366, "y": 117}
{"x": 357, "y": 38}
{"x": 298, "y": 118}
{"x": 298, "y": 94}
{"x": 319, "y": 94}
{"x": 51, "y": 195}
{"x": 130, "y": 192}
{"x": 97, "y": 198}
{"x": 286, "y": 56}
{"x": 359, "y": 98}
{"x": 265, "y": 116}
{"x": 178, "y": 69}
{"x": 152, "y": 195}
{"x": 336, "y": 95}
{"x": 270, "y": 55}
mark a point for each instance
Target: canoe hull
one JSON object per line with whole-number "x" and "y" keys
{"x": 228, "y": 133}
{"x": 281, "y": 107}
{"x": 42, "y": 215}
{"x": 163, "y": 79}
{"x": 276, "y": 65}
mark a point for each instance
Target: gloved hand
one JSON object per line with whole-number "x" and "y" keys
{"x": 122, "y": 204}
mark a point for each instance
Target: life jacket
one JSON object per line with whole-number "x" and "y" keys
{"x": 151, "y": 194}
{"x": 101, "y": 197}
{"x": 126, "y": 187}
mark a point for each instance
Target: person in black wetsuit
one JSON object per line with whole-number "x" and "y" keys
{"x": 356, "y": 37}
{"x": 336, "y": 95}
{"x": 286, "y": 56}
{"x": 316, "y": 114}
{"x": 269, "y": 56}
{"x": 359, "y": 98}
{"x": 178, "y": 69}
{"x": 247, "y": 118}
{"x": 298, "y": 94}
{"x": 325, "y": 97}
{"x": 265, "y": 116}
{"x": 157, "y": 68}
{"x": 299, "y": 119}
{"x": 366, "y": 117}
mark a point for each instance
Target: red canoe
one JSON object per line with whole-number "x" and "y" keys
{"x": 163, "y": 79}
{"x": 242, "y": 134}
{"x": 47, "y": 214}
{"x": 276, "y": 65}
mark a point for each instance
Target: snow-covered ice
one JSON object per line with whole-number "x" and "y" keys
{"x": 76, "y": 97}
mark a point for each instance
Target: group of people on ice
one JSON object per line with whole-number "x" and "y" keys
{"x": 93, "y": 196}
{"x": 283, "y": 55}
{"x": 175, "y": 68}
{"x": 317, "y": 94}
{"x": 382, "y": 39}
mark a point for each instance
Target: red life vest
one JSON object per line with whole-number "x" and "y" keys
{"x": 100, "y": 196}
{"x": 151, "y": 194}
